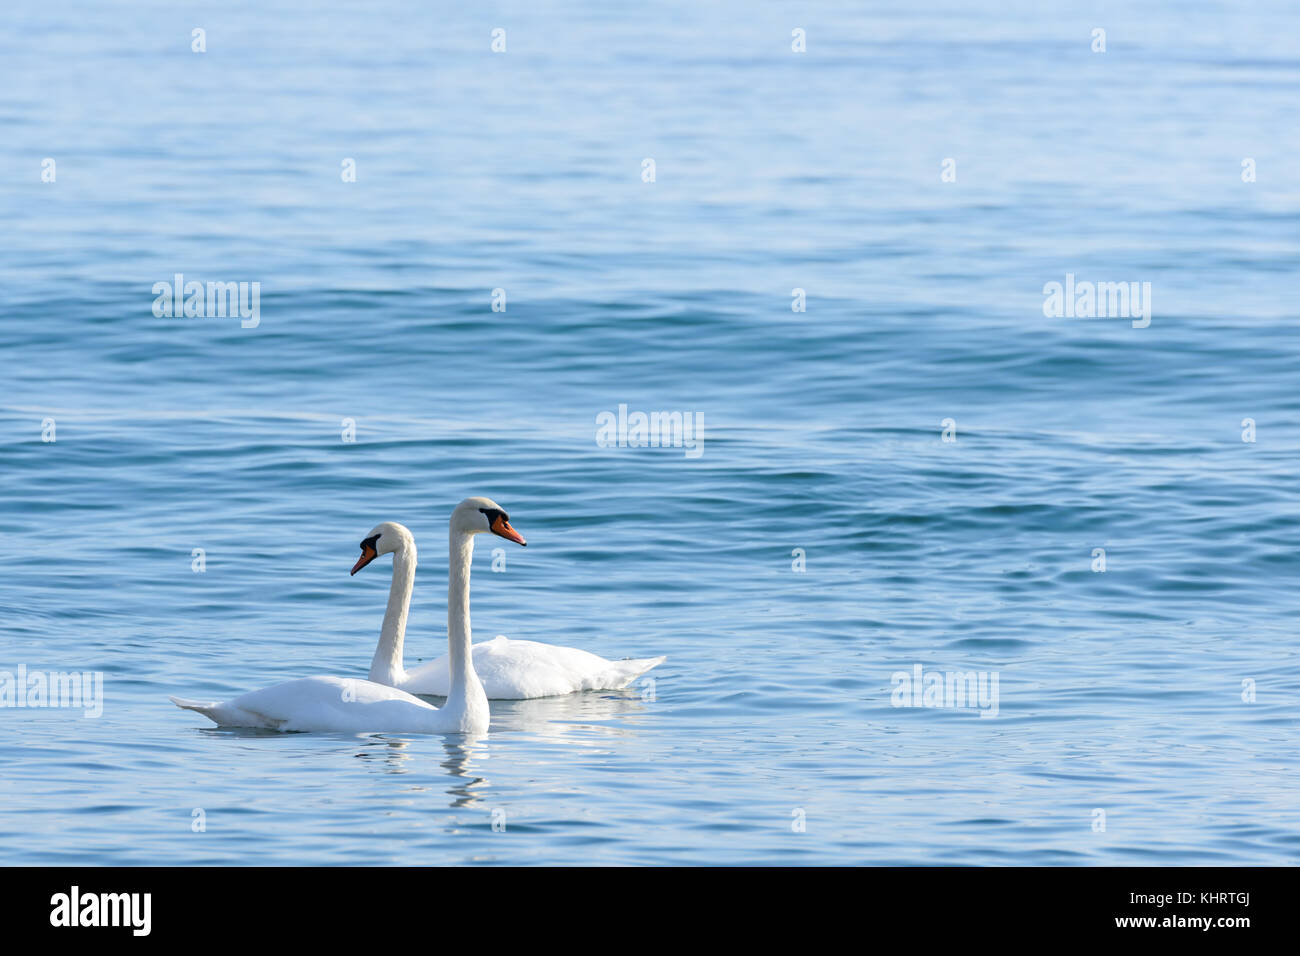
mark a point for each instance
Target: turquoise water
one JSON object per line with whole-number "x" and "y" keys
{"x": 770, "y": 735}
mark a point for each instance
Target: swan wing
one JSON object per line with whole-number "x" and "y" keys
{"x": 519, "y": 670}
{"x": 323, "y": 704}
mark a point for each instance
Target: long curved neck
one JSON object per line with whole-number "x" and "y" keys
{"x": 465, "y": 693}
{"x": 387, "y": 668}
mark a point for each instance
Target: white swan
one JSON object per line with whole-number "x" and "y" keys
{"x": 519, "y": 670}
{"x": 509, "y": 670}
{"x": 356, "y": 706}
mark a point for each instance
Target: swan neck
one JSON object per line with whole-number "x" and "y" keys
{"x": 387, "y": 667}
{"x": 465, "y": 696}
{"x": 459, "y": 637}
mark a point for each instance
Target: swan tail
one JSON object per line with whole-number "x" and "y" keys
{"x": 624, "y": 672}
{"x": 198, "y": 705}
{"x": 223, "y": 715}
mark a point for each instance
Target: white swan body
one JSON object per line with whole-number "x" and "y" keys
{"x": 508, "y": 670}
{"x": 333, "y": 704}
{"x": 519, "y": 670}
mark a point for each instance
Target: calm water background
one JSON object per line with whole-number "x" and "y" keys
{"x": 1119, "y": 691}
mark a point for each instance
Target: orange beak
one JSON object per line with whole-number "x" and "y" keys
{"x": 367, "y": 555}
{"x": 502, "y": 527}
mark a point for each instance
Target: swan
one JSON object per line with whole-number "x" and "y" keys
{"x": 521, "y": 670}
{"x": 508, "y": 670}
{"x": 343, "y": 705}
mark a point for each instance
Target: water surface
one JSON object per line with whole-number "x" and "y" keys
{"x": 769, "y": 735}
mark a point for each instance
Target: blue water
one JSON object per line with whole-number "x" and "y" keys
{"x": 769, "y": 735}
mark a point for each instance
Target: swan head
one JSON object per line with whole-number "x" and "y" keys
{"x": 477, "y": 515}
{"x": 384, "y": 537}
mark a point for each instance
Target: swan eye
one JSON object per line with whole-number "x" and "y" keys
{"x": 493, "y": 514}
